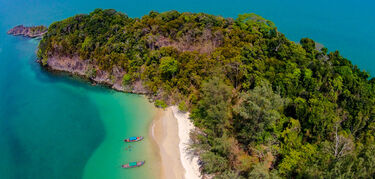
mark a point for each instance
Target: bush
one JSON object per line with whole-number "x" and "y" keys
{"x": 44, "y": 61}
{"x": 160, "y": 104}
{"x": 182, "y": 107}
{"x": 91, "y": 72}
{"x": 126, "y": 80}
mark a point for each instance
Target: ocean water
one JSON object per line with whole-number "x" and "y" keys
{"x": 55, "y": 126}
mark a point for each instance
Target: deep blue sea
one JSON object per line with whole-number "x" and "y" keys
{"x": 53, "y": 126}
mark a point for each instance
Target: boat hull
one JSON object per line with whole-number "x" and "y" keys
{"x": 134, "y": 140}
{"x": 140, "y": 163}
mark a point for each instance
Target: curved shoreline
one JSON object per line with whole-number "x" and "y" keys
{"x": 177, "y": 161}
{"x": 167, "y": 124}
{"x": 189, "y": 160}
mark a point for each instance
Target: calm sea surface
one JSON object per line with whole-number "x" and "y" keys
{"x": 54, "y": 126}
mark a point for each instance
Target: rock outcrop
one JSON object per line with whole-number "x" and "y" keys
{"x": 31, "y": 32}
{"x": 75, "y": 65}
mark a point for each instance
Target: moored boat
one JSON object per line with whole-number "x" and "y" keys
{"x": 133, "y": 139}
{"x": 133, "y": 164}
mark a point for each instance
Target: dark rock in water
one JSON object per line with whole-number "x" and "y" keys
{"x": 32, "y": 32}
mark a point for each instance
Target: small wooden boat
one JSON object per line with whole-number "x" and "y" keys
{"x": 133, "y": 139}
{"x": 133, "y": 164}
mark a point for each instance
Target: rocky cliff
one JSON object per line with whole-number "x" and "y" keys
{"x": 84, "y": 68}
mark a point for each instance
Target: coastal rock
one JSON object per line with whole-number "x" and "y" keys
{"x": 84, "y": 68}
{"x": 32, "y": 32}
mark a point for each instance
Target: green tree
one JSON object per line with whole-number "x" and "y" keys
{"x": 168, "y": 67}
{"x": 256, "y": 113}
{"x": 213, "y": 109}
{"x": 308, "y": 44}
{"x": 214, "y": 163}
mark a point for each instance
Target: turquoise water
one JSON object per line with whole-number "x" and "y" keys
{"x": 53, "y": 126}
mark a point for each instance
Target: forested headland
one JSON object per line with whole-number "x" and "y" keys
{"x": 265, "y": 107}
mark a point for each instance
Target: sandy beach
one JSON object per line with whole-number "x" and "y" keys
{"x": 170, "y": 130}
{"x": 165, "y": 133}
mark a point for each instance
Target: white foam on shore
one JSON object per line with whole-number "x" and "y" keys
{"x": 189, "y": 161}
{"x": 153, "y": 130}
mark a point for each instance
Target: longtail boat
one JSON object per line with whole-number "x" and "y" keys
{"x": 133, "y": 139}
{"x": 133, "y": 164}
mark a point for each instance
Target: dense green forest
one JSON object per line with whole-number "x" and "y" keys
{"x": 265, "y": 107}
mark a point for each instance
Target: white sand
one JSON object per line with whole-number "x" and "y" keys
{"x": 165, "y": 132}
{"x": 171, "y": 131}
{"x": 188, "y": 160}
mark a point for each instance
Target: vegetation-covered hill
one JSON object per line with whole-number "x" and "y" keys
{"x": 265, "y": 106}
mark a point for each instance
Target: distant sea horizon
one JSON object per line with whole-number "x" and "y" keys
{"x": 53, "y": 126}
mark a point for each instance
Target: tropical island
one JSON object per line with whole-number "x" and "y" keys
{"x": 31, "y": 32}
{"x": 263, "y": 106}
